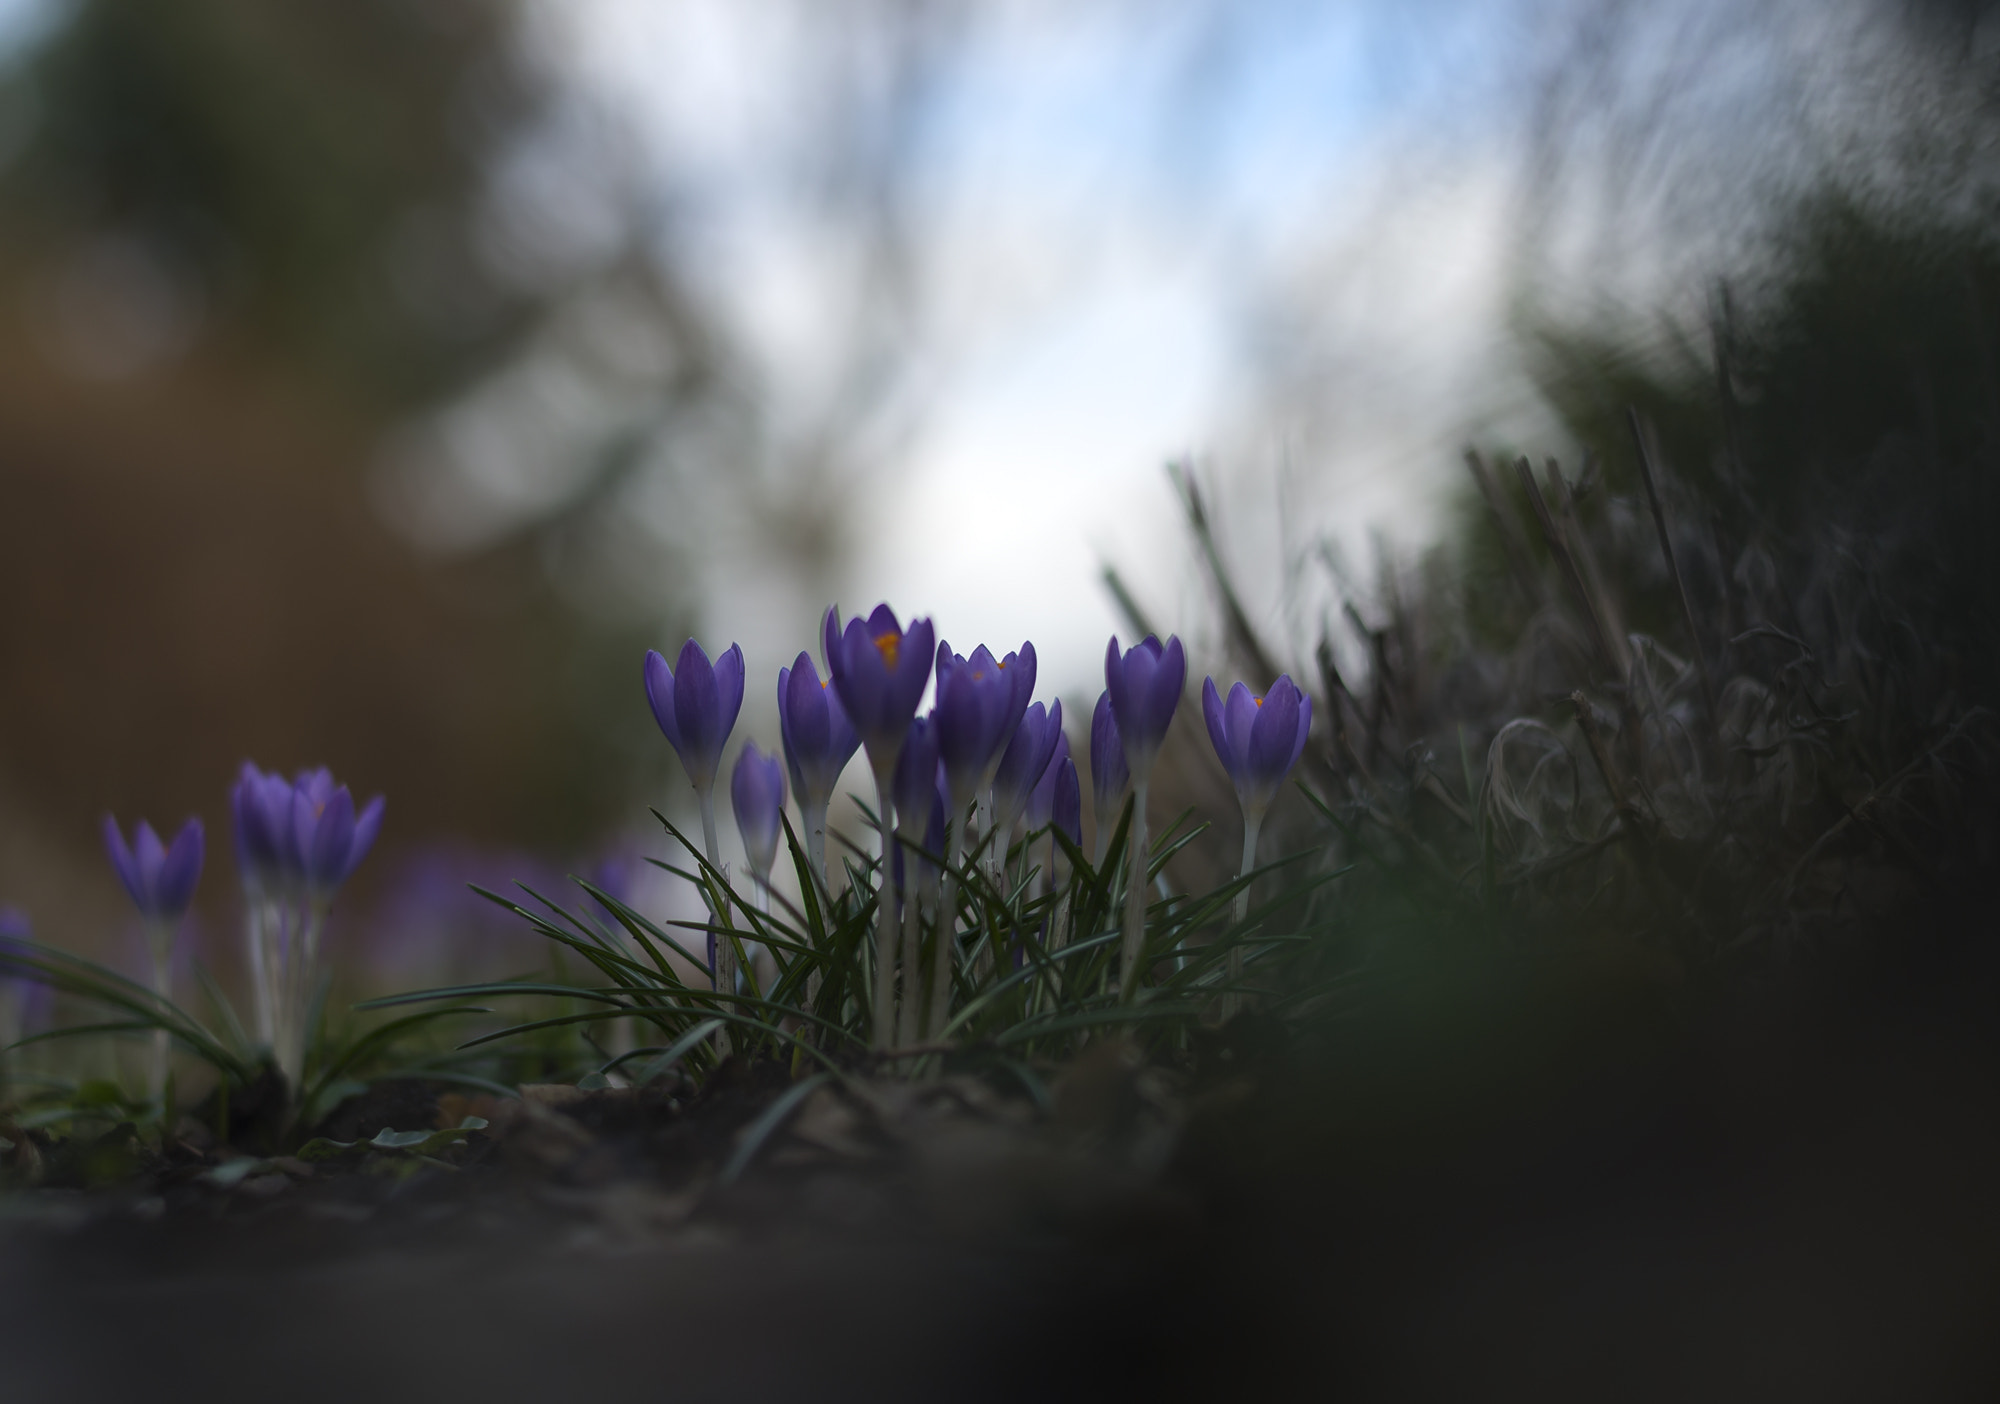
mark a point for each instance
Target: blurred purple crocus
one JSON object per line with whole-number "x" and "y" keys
{"x": 1110, "y": 777}
{"x": 1258, "y": 739}
{"x": 818, "y": 742}
{"x": 1057, "y": 801}
{"x": 696, "y": 704}
{"x": 327, "y": 839}
{"x": 1027, "y": 759}
{"x": 297, "y": 842}
{"x": 879, "y": 671}
{"x": 1066, "y": 808}
{"x": 160, "y": 878}
{"x": 757, "y": 794}
{"x": 915, "y": 789}
{"x": 1145, "y": 685}
{"x": 1041, "y": 799}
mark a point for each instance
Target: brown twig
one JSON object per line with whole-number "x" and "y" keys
{"x": 1642, "y": 439}
{"x": 1236, "y": 621}
{"x": 1635, "y": 818}
{"x": 1607, "y": 656}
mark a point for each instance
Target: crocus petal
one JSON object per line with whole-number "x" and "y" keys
{"x": 829, "y": 636}
{"x": 1218, "y": 727}
{"x": 729, "y": 690}
{"x": 1041, "y": 799}
{"x": 366, "y": 826}
{"x": 180, "y": 871}
{"x": 1239, "y": 716}
{"x": 915, "y": 789}
{"x": 913, "y": 670}
{"x": 326, "y": 858}
{"x": 861, "y": 678}
{"x": 757, "y": 794}
{"x": 786, "y": 741}
{"x": 698, "y": 712}
{"x": 149, "y": 855}
{"x": 1163, "y": 689}
{"x": 1109, "y": 773}
{"x": 1271, "y": 736}
{"x": 1066, "y": 810}
{"x": 123, "y": 863}
{"x": 660, "y": 696}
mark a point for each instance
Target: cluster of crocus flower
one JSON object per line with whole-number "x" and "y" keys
{"x": 958, "y": 780}
{"x": 297, "y": 841}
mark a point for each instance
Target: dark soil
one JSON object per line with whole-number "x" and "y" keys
{"x": 1528, "y": 1180}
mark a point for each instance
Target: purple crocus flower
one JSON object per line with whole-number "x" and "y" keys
{"x": 915, "y": 788}
{"x": 818, "y": 739}
{"x": 1259, "y": 739}
{"x": 696, "y": 704}
{"x": 1145, "y": 686}
{"x": 1066, "y": 807}
{"x": 1110, "y": 777}
{"x": 260, "y": 810}
{"x": 757, "y": 793}
{"x": 1041, "y": 799}
{"x": 1027, "y": 759}
{"x": 327, "y": 839}
{"x": 980, "y": 703}
{"x": 879, "y": 671}
{"x": 160, "y": 878}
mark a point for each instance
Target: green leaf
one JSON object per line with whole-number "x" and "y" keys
{"x": 321, "y": 1149}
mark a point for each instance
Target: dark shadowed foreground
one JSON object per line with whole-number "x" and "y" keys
{"x": 1500, "y": 1177}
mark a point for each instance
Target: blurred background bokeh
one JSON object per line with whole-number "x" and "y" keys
{"x": 379, "y": 377}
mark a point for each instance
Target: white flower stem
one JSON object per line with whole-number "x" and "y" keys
{"x": 303, "y": 955}
{"x": 254, "y": 949}
{"x": 814, "y": 817}
{"x": 1233, "y": 1000}
{"x": 907, "y": 1022}
{"x": 884, "y": 1022}
{"x": 1135, "y": 895}
{"x": 945, "y": 953}
{"x": 160, "y": 942}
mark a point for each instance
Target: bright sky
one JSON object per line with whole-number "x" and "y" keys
{"x": 1100, "y": 188}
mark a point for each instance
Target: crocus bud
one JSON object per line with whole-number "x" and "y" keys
{"x": 696, "y": 706}
{"x": 879, "y": 671}
{"x": 818, "y": 739}
{"x": 1024, "y": 763}
{"x": 1109, "y": 775}
{"x": 1258, "y": 739}
{"x": 1145, "y": 685}
{"x": 1066, "y": 807}
{"x": 915, "y": 787}
{"x": 1041, "y": 799}
{"x": 757, "y": 793}
{"x": 160, "y": 879}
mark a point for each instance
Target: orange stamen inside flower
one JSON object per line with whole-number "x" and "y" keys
{"x": 889, "y": 645}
